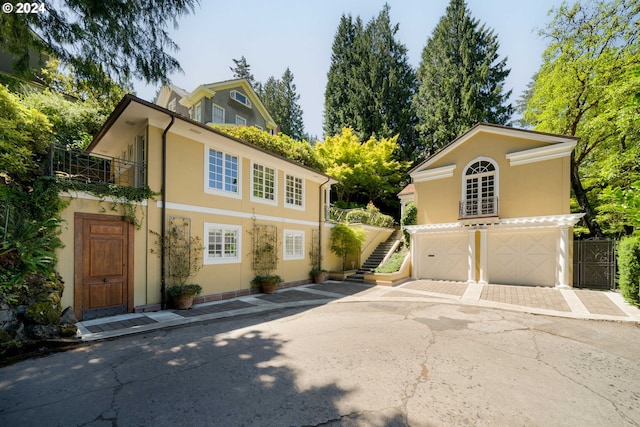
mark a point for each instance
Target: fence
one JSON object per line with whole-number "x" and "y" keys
{"x": 594, "y": 264}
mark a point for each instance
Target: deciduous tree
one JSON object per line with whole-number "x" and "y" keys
{"x": 586, "y": 87}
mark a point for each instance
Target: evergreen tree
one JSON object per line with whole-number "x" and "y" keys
{"x": 339, "y": 92}
{"x": 370, "y": 82}
{"x": 242, "y": 70}
{"x": 281, "y": 100}
{"x": 99, "y": 41}
{"x": 461, "y": 79}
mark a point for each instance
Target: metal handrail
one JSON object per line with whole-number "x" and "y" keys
{"x": 76, "y": 165}
{"x": 475, "y": 208}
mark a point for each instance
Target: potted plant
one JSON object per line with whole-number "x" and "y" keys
{"x": 183, "y": 254}
{"x": 266, "y": 283}
{"x": 318, "y": 275}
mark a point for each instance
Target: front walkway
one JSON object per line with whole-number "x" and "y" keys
{"x": 574, "y": 303}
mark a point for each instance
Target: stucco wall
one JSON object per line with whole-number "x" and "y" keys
{"x": 533, "y": 189}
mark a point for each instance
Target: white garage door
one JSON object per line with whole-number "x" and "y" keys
{"x": 523, "y": 257}
{"x": 443, "y": 257}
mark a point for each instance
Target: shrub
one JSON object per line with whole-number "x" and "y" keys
{"x": 629, "y": 269}
{"x": 394, "y": 262}
{"x": 409, "y": 217}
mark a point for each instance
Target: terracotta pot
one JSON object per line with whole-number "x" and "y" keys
{"x": 269, "y": 287}
{"x": 320, "y": 277}
{"x": 183, "y": 302}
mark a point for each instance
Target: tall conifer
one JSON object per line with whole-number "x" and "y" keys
{"x": 461, "y": 79}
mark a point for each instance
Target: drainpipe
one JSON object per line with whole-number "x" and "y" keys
{"x": 320, "y": 208}
{"x": 163, "y": 226}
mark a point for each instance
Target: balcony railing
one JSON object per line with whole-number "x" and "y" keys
{"x": 475, "y": 208}
{"x": 76, "y": 165}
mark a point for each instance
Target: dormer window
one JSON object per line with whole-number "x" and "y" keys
{"x": 241, "y": 98}
{"x": 480, "y": 189}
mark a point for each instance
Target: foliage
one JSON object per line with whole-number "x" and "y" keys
{"x": 629, "y": 268}
{"x": 370, "y": 82}
{"x": 262, "y": 279}
{"x": 346, "y": 240}
{"x": 409, "y": 217}
{"x": 461, "y": 80}
{"x": 183, "y": 252}
{"x": 126, "y": 198}
{"x": 281, "y": 101}
{"x": 295, "y": 150}
{"x": 25, "y": 134}
{"x": 103, "y": 99}
{"x": 176, "y": 291}
{"x": 29, "y": 234}
{"x": 365, "y": 171}
{"x": 242, "y": 70}
{"x": 394, "y": 263}
{"x": 265, "y": 249}
{"x": 587, "y": 87}
{"x": 370, "y": 216}
{"x": 100, "y": 41}
{"x": 75, "y": 122}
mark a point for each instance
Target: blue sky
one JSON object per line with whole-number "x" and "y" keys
{"x": 298, "y": 34}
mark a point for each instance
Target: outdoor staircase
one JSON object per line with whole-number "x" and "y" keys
{"x": 375, "y": 259}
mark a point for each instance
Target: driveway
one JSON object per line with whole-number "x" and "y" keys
{"x": 357, "y": 363}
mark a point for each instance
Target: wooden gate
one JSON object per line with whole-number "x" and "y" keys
{"x": 594, "y": 264}
{"x": 103, "y": 279}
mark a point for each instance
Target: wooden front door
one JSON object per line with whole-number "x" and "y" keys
{"x": 103, "y": 266}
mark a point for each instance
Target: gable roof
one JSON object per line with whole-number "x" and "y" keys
{"x": 165, "y": 94}
{"x": 132, "y": 112}
{"x": 549, "y": 138}
{"x": 209, "y": 90}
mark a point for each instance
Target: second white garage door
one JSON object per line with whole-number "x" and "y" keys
{"x": 523, "y": 257}
{"x": 443, "y": 257}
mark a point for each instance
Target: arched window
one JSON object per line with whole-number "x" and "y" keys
{"x": 480, "y": 189}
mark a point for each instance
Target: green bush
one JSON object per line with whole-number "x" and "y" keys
{"x": 394, "y": 262}
{"x": 409, "y": 217}
{"x": 629, "y": 269}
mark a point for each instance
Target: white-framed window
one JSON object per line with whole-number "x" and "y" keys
{"x": 263, "y": 184}
{"x": 259, "y": 127}
{"x": 222, "y": 243}
{"x": 217, "y": 114}
{"x": 222, "y": 172}
{"x": 196, "y": 112}
{"x": 241, "y": 98}
{"x": 172, "y": 105}
{"x": 241, "y": 121}
{"x": 293, "y": 247}
{"x": 294, "y": 192}
{"x": 480, "y": 189}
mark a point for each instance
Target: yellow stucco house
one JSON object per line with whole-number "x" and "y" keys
{"x": 219, "y": 186}
{"x": 493, "y": 207}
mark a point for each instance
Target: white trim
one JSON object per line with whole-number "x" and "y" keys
{"x": 556, "y": 151}
{"x": 197, "y": 108}
{"x": 233, "y": 94}
{"x": 568, "y": 220}
{"x": 243, "y": 121}
{"x": 504, "y": 131}
{"x": 222, "y": 260}
{"x": 259, "y": 199}
{"x": 496, "y": 183}
{"x": 88, "y": 196}
{"x": 224, "y": 113}
{"x": 234, "y": 214}
{"x": 432, "y": 174}
{"x": 171, "y": 106}
{"x": 293, "y": 205}
{"x": 289, "y": 232}
{"x": 221, "y": 192}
